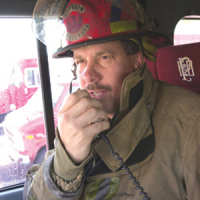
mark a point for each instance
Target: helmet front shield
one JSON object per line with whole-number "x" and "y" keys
{"x": 47, "y": 21}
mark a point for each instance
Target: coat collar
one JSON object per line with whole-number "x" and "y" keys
{"x": 130, "y": 126}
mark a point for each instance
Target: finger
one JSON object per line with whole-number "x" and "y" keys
{"x": 91, "y": 116}
{"x": 95, "y": 128}
{"x": 73, "y": 99}
{"x": 83, "y": 105}
{"x": 98, "y": 120}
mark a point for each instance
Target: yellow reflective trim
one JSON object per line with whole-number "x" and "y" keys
{"x": 149, "y": 48}
{"x": 29, "y": 137}
{"x": 122, "y": 26}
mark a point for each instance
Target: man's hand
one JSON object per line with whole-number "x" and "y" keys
{"x": 76, "y": 124}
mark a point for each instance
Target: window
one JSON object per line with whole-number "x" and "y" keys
{"x": 187, "y": 30}
{"x": 22, "y": 130}
{"x": 19, "y": 81}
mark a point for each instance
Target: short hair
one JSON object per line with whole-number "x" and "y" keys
{"x": 129, "y": 47}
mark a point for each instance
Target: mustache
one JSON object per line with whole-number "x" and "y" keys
{"x": 96, "y": 86}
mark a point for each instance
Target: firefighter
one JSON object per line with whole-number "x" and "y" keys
{"x": 123, "y": 135}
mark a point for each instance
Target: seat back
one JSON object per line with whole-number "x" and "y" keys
{"x": 178, "y": 65}
{"x": 152, "y": 68}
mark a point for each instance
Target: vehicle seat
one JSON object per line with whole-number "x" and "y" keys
{"x": 179, "y": 65}
{"x": 152, "y": 68}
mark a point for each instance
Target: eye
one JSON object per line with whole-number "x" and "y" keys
{"x": 104, "y": 57}
{"x": 79, "y": 62}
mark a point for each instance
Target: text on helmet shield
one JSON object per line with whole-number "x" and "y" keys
{"x": 74, "y": 7}
{"x": 74, "y": 22}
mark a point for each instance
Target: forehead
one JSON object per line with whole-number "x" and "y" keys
{"x": 113, "y": 47}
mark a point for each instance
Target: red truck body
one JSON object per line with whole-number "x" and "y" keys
{"x": 25, "y": 129}
{"x": 24, "y": 81}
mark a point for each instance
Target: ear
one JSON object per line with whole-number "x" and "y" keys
{"x": 139, "y": 60}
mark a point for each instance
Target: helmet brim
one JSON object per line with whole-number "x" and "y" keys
{"x": 159, "y": 40}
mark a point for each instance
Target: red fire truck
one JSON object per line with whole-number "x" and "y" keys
{"x": 24, "y": 81}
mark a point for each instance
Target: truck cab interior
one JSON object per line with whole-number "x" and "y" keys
{"x": 177, "y": 63}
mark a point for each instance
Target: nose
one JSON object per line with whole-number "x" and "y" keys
{"x": 91, "y": 72}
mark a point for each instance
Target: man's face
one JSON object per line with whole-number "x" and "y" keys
{"x": 101, "y": 69}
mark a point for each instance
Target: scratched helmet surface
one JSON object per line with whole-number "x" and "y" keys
{"x": 70, "y": 24}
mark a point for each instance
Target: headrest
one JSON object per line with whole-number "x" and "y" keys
{"x": 179, "y": 65}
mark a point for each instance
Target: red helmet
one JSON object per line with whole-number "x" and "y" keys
{"x": 86, "y": 22}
